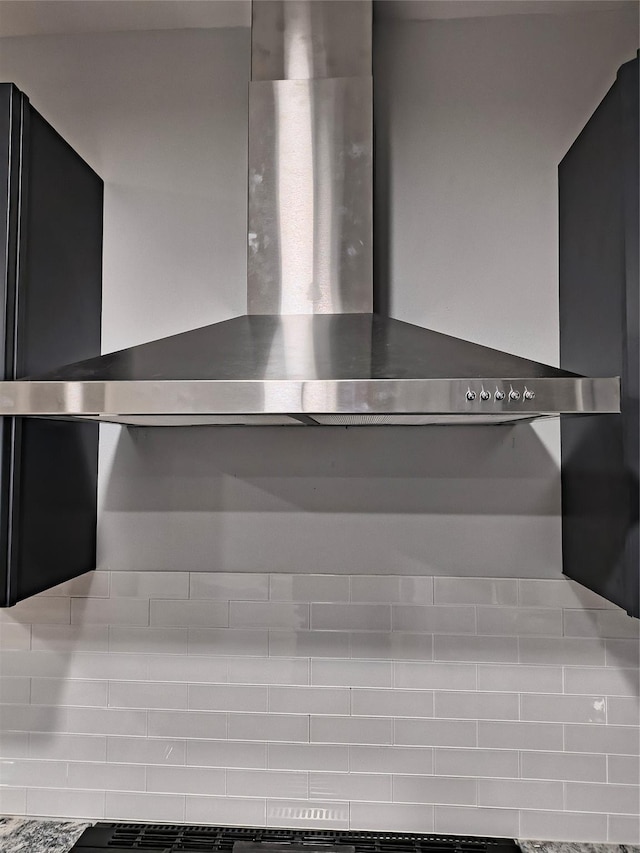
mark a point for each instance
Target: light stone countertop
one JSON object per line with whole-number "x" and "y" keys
{"x": 39, "y": 835}
{"x": 31, "y": 835}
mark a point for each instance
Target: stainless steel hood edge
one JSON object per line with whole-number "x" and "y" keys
{"x": 310, "y": 350}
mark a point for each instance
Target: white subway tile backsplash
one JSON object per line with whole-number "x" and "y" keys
{"x": 516, "y": 735}
{"x": 15, "y": 635}
{"x": 268, "y": 727}
{"x": 564, "y": 826}
{"x": 308, "y": 756}
{"x": 142, "y": 750}
{"x": 14, "y": 689}
{"x": 260, "y": 783}
{"x": 62, "y": 747}
{"x": 477, "y": 821}
{"x": 610, "y": 798}
{"x": 309, "y": 644}
{"x": 501, "y": 763}
{"x": 186, "y": 780}
{"x": 226, "y": 586}
{"x": 475, "y": 648}
{"x": 562, "y": 651}
{"x": 563, "y": 709}
{"x": 18, "y": 772}
{"x": 435, "y": 676}
{"x": 620, "y": 740}
{"x": 434, "y": 619}
{"x": 391, "y": 645}
{"x": 352, "y": 673}
{"x": 623, "y": 710}
{"x": 109, "y": 611}
{"x": 123, "y": 694}
{"x": 158, "y": 808}
{"x": 309, "y": 588}
{"x": 350, "y": 786}
{"x": 60, "y": 691}
{"x": 34, "y": 718}
{"x": 111, "y": 721}
{"x": 313, "y": 700}
{"x": 435, "y": 732}
{"x": 365, "y": 730}
{"x": 560, "y": 593}
{"x": 68, "y": 638}
{"x": 383, "y": 589}
{"x": 434, "y": 789}
{"x": 187, "y": 724}
{"x": 477, "y": 706}
{"x": 392, "y": 817}
{"x": 350, "y": 617}
{"x": 13, "y": 801}
{"x": 166, "y": 641}
{"x": 625, "y": 830}
{"x": 520, "y": 794}
{"x": 613, "y": 682}
{"x": 93, "y": 584}
{"x": 475, "y": 591}
{"x": 228, "y": 697}
{"x": 226, "y": 753}
{"x": 268, "y": 614}
{"x": 228, "y": 641}
{"x": 39, "y": 610}
{"x": 186, "y": 669}
{"x": 392, "y": 703}
{"x": 106, "y": 777}
{"x": 563, "y": 766}
{"x": 62, "y": 802}
{"x": 309, "y": 700}
{"x": 181, "y": 614}
{"x": 285, "y": 671}
{"x": 622, "y": 770}
{"x": 149, "y": 585}
{"x": 520, "y": 621}
{"x": 226, "y": 811}
{"x": 509, "y": 677}
{"x": 612, "y": 624}
{"x": 391, "y": 759}
{"x": 14, "y": 744}
{"x": 624, "y": 653}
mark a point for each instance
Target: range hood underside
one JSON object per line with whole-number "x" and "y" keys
{"x": 324, "y": 369}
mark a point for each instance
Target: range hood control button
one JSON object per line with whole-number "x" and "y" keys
{"x": 499, "y": 395}
{"x": 514, "y": 395}
{"x": 471, "y": 395}
{"x": 529, "y": 395}
{"x": 485, "y": 395}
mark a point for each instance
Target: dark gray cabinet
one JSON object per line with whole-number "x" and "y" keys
{"x": 599, "y": 188}
{"x": 50, "y": 292}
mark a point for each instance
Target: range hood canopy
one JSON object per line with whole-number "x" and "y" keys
{"x": 310, "y": 349}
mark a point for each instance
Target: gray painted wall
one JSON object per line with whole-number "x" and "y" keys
{"x": 479, "y": 114}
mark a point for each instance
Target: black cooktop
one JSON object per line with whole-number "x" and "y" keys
{"x": 174, "y": 838}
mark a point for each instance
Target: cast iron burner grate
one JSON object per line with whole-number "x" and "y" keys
{"x": 167, "y": 838}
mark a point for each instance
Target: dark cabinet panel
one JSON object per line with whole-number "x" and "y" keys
{"x": 599, "y": 336}
{"x": 51, "y": 284}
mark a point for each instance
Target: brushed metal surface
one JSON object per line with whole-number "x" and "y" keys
{"x": 314, "y": 397}
{"x": 305, "y": 347}
{"x": 310, "y": 245}
{"x": 298, "y": 40}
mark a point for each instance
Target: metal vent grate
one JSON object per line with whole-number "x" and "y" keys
{"x": 163, "y": 838}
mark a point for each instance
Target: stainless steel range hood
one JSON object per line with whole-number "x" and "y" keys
{"x": 310, "y": 349}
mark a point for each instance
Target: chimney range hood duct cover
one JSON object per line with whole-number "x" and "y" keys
{"x": 310, "y": 349}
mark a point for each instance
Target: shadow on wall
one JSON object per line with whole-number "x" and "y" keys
{"x": 356, "y": 500}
